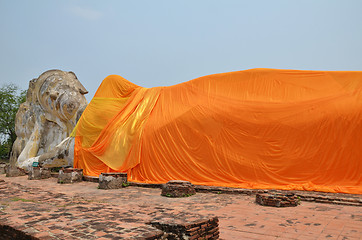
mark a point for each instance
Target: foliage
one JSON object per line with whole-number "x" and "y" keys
{"x": 4, "y": 150}
{"x": 10, "y": 99}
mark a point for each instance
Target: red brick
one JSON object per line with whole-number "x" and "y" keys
{"x": 193, "y": 229}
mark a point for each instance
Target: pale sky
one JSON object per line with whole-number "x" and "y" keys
{"x": 162, "y": 43}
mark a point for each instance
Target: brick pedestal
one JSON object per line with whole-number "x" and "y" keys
{"x": 37, "y": 173}
{"x": 277, "y": 200}
{"x": 70, "y": 175}
{"x": 200, "y": 229}
{"x": 12, "y": 171}
{"x": 113, "y": 180}
{"x": 178, "y": 188}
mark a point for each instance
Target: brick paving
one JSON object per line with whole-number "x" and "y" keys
{"x": 47, "y": 210}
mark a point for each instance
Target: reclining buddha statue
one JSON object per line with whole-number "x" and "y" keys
{"x": 54, "y": 103}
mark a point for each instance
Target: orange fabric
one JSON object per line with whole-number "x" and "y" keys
{"x": 259, "y": 128}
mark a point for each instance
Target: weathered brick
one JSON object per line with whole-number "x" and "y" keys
{"x": 203, "y": 226}
{"x": 194, "y": 233}
{"x": 276, "y": 200}
{"x": 194, "y": 237}
{"x": 208, "y": 236}
{"x": 193, "y": 229}
{"x": 213, "y": 230}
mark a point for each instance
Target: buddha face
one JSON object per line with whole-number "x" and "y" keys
{"x": 61, "y": 94}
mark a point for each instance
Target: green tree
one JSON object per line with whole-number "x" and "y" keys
{"x": 10, "y": 99}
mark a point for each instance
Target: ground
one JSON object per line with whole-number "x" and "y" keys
{"x": 47, "y": 210}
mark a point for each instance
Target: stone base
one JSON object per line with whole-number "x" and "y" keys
{"x": 200, "y": 229}
{"x": 2, "y": 168}
{"x": 12, "y": 171}
{"x": 38, "y": 173}
{"x": 70, "y": 175}
{"x": 277, "y": 200}
{"x": 178, "y": 188}
{"x": 113, "y": 180}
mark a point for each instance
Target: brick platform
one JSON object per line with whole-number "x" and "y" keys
{"x": 70, "y": 175}
{"x": 50, "y": 211}
{"x": 113, "y": 180}
{"x": 178, "y": 188}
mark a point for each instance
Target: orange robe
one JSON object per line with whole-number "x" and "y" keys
{"x": 259, "y": 128}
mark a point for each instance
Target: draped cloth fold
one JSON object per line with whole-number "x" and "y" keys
{"x": 259, "y": 128}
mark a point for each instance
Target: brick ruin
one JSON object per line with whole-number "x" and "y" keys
{"x": 202, "y": 229}
{"x": 7, "y": 232}
{"x": 37, "y": 173}
{"x": 12, "y": 171}
{"x": 114, "y": 180}
{"x": 183, "y": 230}
{"x": 178, "y": 188}
{"x": 277, "y": 200}
{"x": 70, "y": 175}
